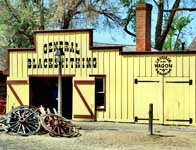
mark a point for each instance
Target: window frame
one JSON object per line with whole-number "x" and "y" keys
{"x": 102, "y": 76}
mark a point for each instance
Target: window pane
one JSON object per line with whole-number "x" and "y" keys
{"x": 99, "y": 92}
{"x": 98, "y": 85}
{"x": 99, "y": 99}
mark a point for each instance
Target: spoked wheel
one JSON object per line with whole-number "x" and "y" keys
{"x": 26, "y": 107}
{"x": 3, "y": 124}
{"x": 59, "y": 126}
{"x": 23, "y": 120}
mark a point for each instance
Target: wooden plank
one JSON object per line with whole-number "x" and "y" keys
{"x": 136, "y": 66}
{"x": 46, "y": 56}
{"x": 106, "y": 114}
{"x": 84, "y": 54}
{"x": 179, "y": 66}
{"x": 34, "y": 59}
{"x": 57, "y": 38}
{"x": 95, "y": 54}
{"x": 130, "y": 88}
{"x": 148, "y": 67}
{"x": 153, "y": 62}
{"x": 20, "y": 64}
{"x": 124, "y": 91}
{"x": 24, "y": 67}
{"x": 101, "y": 62}
{"x": 66, "y": 69}
{"x": 51, "y": 53}
{"x": 78, "y": 56}
{"x": 72, "y": 41}
{"x": 186, "y": 66}
{"x": 142, "y": 66}
{"x": 118, "y": 87}
{"x": 15, "y": 65}
{"x": 112, "y": 86}
{"x": 39, "y": 50}
{"x": 173, "y": 72}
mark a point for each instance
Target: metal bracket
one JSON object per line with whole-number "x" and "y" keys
{"x": 181, "y": 120}
{"x": 136, "y": 119}
{"x": 136, "y": 81}
{"x": 190, "y": 82}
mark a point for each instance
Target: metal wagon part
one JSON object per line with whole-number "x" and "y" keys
{"x": 28, "y": 120}
{"x": 59, "y": 126}
{"x": 23, "y": 120}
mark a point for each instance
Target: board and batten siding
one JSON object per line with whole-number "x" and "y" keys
{"x": 125, "y": 99}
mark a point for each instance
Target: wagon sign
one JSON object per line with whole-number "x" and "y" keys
{"x": 163, "y": 65}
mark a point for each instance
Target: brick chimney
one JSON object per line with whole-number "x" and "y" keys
{"x": 143, "y": 27}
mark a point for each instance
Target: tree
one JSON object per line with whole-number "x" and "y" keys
{"x": 82, "y": 13}
{"x": 166, "y": 11}
{"x": 175, "y": 35}
{"x": 21, "y": 17}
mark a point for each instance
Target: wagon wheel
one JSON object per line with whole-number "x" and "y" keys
{"x": 26, "y": 107}
{"x": 57, "y": 126}
{"x": 3, "y": 123}
{"x": 23, "y": 121}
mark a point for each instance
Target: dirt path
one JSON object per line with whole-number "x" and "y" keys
{"x": 109, "y": 136}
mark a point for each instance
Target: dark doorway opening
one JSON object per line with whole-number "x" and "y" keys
{"x": 44, "y": 91}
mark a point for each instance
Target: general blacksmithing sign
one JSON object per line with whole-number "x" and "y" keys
{"x": 163, "y": 65}
{"x": 67, "y": 62}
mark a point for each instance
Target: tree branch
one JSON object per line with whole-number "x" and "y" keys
{"x": 159, "y": 39}
{"x": 180, "y": 9}
{"x": 129, "y": 17}
{"x": 127, "y": 31}
{"x": 159, "y": 23}
{"x": 70, "y": 13}
{"x": 170, "y": 19}
{"x": 155, "y": 2}
{"x": 115, "y": 19}
{"x": 11, "y": 10}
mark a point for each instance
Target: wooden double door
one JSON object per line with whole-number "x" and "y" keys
{"x": 171, "y": 97}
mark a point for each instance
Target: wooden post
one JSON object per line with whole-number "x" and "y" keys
{"x": 151, "y": 119}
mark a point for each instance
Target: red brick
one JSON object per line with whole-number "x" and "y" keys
{"x": 143, "y": 27}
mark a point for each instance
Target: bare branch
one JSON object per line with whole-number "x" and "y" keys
{"x": 108, "y": 15}
{"x": 170, "y": 19}
{"x": 155, "y": 2}
{"x": 180, "y": 9}
{"x": 127, "y": 31}
{"x": 127, "y": 23}
{"x": 11, "y": 10}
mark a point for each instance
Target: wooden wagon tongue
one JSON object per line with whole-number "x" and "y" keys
{"x": 27, "y": 120}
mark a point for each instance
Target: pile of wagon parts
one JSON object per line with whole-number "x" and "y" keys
{"x": 28, "y": 120}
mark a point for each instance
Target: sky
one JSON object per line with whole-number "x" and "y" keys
{"x": 120, "y": 37}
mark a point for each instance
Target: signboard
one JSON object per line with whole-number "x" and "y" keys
{"x": 163, "y": 65}
{"x": 67, "y": 62}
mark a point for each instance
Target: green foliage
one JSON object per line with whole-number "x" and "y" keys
{"x": 126, "y": 3}
{"x": 18, "y": 22}
{"x": 175, "y": 36}
{"x": 141, "y": 1}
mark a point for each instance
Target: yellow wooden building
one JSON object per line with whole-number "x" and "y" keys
{"x": 105, "y": 83}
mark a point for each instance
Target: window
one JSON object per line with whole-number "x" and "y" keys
{"x": 100, "y": 93}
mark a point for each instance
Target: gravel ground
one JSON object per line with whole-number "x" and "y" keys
{"x": 108, "y": 136}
